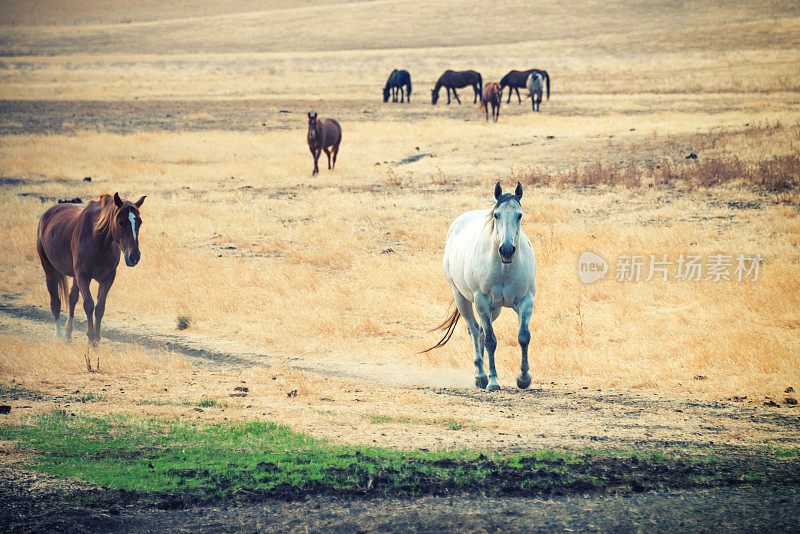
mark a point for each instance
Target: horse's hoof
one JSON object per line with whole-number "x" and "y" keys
{"x": 481, "y": 381}
{"x": 493, "y": 387}
{"x": 523, "y": 381}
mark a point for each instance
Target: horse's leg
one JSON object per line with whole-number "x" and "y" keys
{"x": 335, "y": 153}
{"x": 456, "y": 96}
{"x": 51, "y": 278}
{"x": 88, "y": 304}
{"x": 328, "y": 153}
{"x": 100, "y": 309}
{"x": 465, "y": 309}
{"x": 524, "y": 310}
{"x": 486, "y": 316}
{"x": 477, "y": 90}
{"x": 73, "y": 300}
{"x": 538, "y": 101}
{"x": 402, "y": 90}
{"x": 518, "y": 97}
{"x": 315, "y": 155}
{"x": 448, "y": 95}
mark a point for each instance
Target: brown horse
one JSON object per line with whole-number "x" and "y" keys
{"x": 516, "y": 80}
{"x": 492, "y": 94}
{"x": 323, "y": 135}
{"x": 451, "y": 80}
{"x": 85, "y": 244}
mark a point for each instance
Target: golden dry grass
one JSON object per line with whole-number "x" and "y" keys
{"x": 238, "y": 237}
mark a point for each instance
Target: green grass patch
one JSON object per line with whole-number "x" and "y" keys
{"x": 449, "y": 423}
{"x": 14, "y": 390}
{"x": 192, "y": 461}
{"x": 88, "y": 397}
{"x": 208, "y": 402}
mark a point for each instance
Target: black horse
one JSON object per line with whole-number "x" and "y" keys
{"x": 516, "y": 80}
{"x": 398, "y": 79}
{"x": 457, "y": 79}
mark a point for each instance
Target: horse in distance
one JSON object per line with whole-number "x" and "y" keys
{"x": 516, "y": 79}
{"x": 534, "y": 85}
{"x": 85, "y": 244}
{"x": 323, "y": 135}
{"x": 490, "y": 265}
{"x": 397, "y": 82}
{"x": 492, "y": 95}
{"x": 452, "y": 80}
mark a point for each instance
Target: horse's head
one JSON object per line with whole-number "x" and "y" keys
{"x": 386, "y": 92}
{"x": 434, "y": 96}
{"x": 505, "y": 221}
{"x": 312, "y": 126}
{"x": 125, "y": 227}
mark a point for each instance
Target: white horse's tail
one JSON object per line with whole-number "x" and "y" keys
{"x": 448, "y": 326}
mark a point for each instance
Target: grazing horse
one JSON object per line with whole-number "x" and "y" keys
{"x": 398, "y": 79}
{"x": 323, "y": 135}
{"x": 452, "y": 80}
{"x": 491, "y": 95}
{"x": 489, "y": 263}
{"x": 534, "y": 85}
{"x": 517, "y": 79}
{"x": 85, "y": 244}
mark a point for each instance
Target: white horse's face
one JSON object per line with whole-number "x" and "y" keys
{"x": 507, "y": 218}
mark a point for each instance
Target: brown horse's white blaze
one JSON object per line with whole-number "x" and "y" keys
{"x": 86, "y": 244}
{"x": 490, "y": 265}
{"x": 323, "y": 135}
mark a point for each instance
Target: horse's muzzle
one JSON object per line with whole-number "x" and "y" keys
{"x": 507, "y": 253}
{"x": 132, "y": 258}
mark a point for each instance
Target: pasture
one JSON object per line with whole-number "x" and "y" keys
{"x": 316, "y": 293}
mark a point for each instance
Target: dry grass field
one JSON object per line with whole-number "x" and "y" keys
{"x": 328, "y": 285}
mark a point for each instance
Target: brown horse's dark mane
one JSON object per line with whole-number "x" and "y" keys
{"x": 108, "y": 212}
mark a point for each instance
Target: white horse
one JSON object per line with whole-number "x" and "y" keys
{"x": 534, "y": 85}
{"x": 489, "y": 263}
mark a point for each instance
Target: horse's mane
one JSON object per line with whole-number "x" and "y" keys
{"x": 108, "y": 210}
{"x": 505, "y": 197}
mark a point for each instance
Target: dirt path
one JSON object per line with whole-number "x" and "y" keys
{"x": 370, "y": 405}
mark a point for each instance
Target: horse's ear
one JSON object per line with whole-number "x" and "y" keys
{"x": 117, "y": 200}
{"x": 139, "y": 202}
{"x": 309, "y": 114}
{"x": 497, "y": 191}
{"x": 518, "y": 191}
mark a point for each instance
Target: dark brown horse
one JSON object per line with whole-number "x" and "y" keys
{"x": 516, "y": 79}
{"x": 323, "y": 135}
{"x": 85, "y": 244}
{"x": 492, "y": 94}
{"x": 453, "y": 80}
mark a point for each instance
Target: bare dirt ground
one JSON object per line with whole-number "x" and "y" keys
{"x": 34, "y": 503}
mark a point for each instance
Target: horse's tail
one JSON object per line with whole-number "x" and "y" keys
{"x": 62, "y": 289}
{"x": 547, "y": 80}
{"x": 448, "y": 326}
{"x": 480, "y": 80}
{"x": 409, "y": 85}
